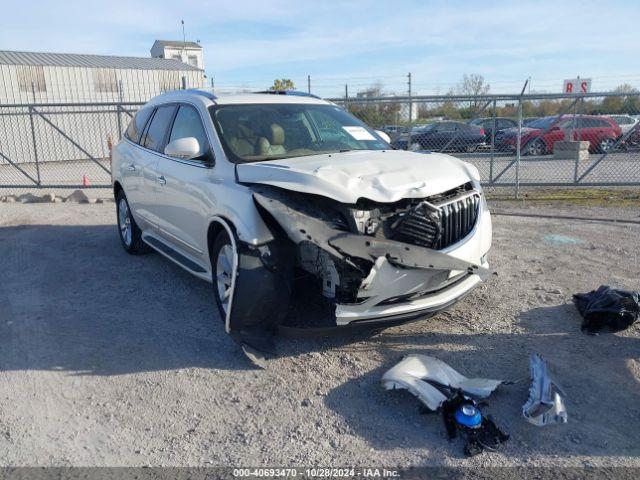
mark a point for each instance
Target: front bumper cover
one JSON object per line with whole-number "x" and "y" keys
{"x": 405, "y": 280}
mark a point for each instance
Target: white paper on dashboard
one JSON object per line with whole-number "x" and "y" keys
{"x": 359, "y": 133}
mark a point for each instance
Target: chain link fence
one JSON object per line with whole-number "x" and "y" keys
{"x": 519, "y": 140}
{"x": 514, "y": 140}
{"x": 59, "y": 146}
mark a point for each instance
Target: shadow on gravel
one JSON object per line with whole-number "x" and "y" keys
{"x": 602, "y": 392}
{"x": 72, "y": 300}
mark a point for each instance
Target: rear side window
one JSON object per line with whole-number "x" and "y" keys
{"x": 447, "y": 127}
{"x": 136, "y": 127}
{"x": 189, "y": 124}
{"x": 156, "y": 133}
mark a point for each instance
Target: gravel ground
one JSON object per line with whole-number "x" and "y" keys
{"x": 109, "y": 359}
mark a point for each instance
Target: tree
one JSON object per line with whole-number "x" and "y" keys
{"x": 280, "y": 84}
{"x": 472, "y": 85}
{"x": 378, "y": 113}
{"x": 627, "y": 103}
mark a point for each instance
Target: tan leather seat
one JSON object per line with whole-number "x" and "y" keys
{"x": 274, "y": 144}
{"x": 243, "y": 142}
{"x": 241, "y": 147}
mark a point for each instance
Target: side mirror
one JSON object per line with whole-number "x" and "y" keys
{"x": 186, "y": 148}
{"x": 384, "y": 136}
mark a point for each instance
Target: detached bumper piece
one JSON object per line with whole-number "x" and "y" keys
{"x": 440, "y": 387}
{"x": 425, "y": 377}
{"x": 546, "y": 400}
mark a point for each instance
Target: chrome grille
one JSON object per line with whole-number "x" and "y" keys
{"x": 439, "y": 224}
{"x": 457, "y": 217}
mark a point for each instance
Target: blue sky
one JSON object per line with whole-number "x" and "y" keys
{"x": 249, "y": 43}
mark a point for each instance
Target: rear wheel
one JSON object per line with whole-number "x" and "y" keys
{"x": 606, "y": 144}
{"x": 129, "y": 232}
{"x": 224, "y": 261}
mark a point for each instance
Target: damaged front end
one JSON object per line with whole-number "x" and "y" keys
{"x": 369, "y": 261}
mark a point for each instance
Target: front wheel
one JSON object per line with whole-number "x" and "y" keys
{"x": 471, "y": 148}
{"x": 535, "y": 147}
{"x": 224, "y": 260}
{"x": 129, "y": 232}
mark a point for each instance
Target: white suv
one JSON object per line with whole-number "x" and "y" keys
{"x": 285, "y": 201}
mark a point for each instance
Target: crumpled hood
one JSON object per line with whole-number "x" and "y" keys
{"x": 380, "y": 176}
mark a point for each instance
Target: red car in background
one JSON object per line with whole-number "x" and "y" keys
{"x": 539, "y": 136}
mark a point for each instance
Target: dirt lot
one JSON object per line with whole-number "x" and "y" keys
{"x": 108, "y": 359}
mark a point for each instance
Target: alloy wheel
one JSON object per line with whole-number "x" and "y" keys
{"x": 606, "y": 144}
{"x": 124, "y": 221}
{"x": 536, "y": 147}
{"x": 224, "y": 275}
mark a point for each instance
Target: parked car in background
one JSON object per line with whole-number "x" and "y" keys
{"x": 539, "y": 136}
{"x": 487, "y": 125}
{"x": 625, "y": 122}
{"x": 394, "y": 131}
{"x": 443, "y": 136}
{"x": 526, "y": 121}
{"x": 633, "y": 140}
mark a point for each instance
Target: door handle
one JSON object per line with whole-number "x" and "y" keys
{"x": 162, "y": 180}
{"x": 131, "y": 167}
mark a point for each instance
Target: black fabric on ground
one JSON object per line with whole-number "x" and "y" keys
{"x": 607, "y": 307}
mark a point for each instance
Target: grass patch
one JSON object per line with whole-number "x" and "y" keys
{"x": 604, "y": 197}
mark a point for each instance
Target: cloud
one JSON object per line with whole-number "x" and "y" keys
{"x": 252, "y": 41}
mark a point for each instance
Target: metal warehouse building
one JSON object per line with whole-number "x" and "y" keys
{"x": 33, "y": 77}
{"x": 57, "y": 111}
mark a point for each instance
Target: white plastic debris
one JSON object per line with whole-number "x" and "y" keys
{"x": 419, "y": 373}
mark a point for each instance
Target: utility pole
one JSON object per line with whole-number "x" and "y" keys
{"x": 212, "y": 85}
{"x": 346, "y": 97}
{"x": 308, "y": 83}
{"x": 184, "y": 40}
{"x": 410, "y": 100}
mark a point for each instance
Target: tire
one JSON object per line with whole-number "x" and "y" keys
{"x": 222, "y": 267}
{"x": 605, "y": 144}
{"x": 471, "y": 148}
{"x": 128, "y": 231}
{"x": 535, "y": 147}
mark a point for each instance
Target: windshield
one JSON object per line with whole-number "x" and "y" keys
{"x": 257, "y": 132}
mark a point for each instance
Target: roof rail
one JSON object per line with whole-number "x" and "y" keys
{"x": 296, "y": 93}
{"x": 200, "y": 91}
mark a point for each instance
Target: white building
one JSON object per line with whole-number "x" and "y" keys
{"x": 60, "y": 107}
{"x": 27, "y": 77}
{"x": 187, "y": 52}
